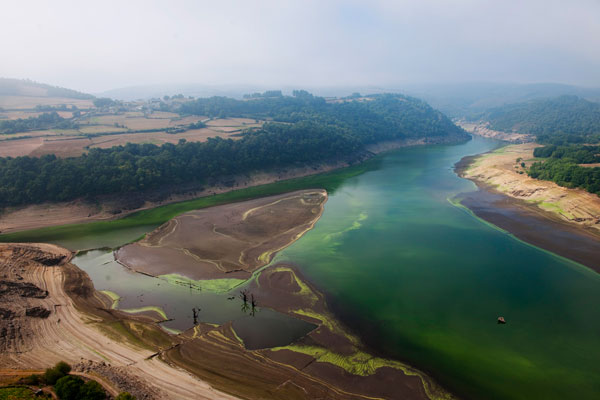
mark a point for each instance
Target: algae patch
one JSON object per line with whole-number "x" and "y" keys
{"x": 209, "y": 285}
{"x": 138, "y": 310}
{"x": 113, "y": 296}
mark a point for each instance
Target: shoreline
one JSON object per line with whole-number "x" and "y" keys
{"x": 115, "y": 207}
{"x": 529, "y": 222}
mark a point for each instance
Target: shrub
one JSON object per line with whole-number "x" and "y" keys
{"x": 124, "y": 396}
{"x": 31, "y": 380}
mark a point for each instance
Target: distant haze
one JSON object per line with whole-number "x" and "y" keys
{"x": 101, "y": 45}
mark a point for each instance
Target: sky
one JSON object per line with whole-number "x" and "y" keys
{"x": 99, "y": 45}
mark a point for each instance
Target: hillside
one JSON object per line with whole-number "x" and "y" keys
{"x": 548, "y": 118}
{"x": 304, "y": 131}
{"x": 468, "y": 100}
{"x": 25, "y": 87}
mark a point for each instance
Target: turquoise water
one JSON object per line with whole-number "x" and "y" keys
{"x": 421, "y": 280}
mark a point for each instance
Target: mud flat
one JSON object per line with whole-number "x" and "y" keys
{"x": 225, "y": 242}
{"x": 561, "y": 220}
{"x": 329, "y": 362}
{"x": 131, "y": 353}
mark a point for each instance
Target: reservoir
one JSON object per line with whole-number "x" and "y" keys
{"x": 420, "y": 279}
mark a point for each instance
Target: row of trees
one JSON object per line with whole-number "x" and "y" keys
{"x": 70, "y": 387}
{"x": 316, "y": 132}
{"x": 44, "y": 121}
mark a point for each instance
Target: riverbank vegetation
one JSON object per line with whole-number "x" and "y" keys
{"x": 308, "y": 131}
{"x": 574, "y": 166}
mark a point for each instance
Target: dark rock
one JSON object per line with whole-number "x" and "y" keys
{"x": 37, "y": 312}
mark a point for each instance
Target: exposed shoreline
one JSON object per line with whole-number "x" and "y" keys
{"x": 109, "y": 208}
{"x": 536, "y": 225}
{"x": 80, "y": 327}
{"x": 237, "y": 238}
{"x": 83, "y": 330}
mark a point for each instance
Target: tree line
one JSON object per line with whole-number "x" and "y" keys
{"x": 562, "y": 166}
{"x": 43, "y": 121}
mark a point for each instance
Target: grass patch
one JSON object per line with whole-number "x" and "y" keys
{"x": 17, "y": 393}
{"x": 555, "y": 208}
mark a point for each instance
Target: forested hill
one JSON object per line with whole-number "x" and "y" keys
{"x": 564, "y": 118}
{"x": 24, "y": 87}
{"x": 369, "y": 119}
{"x": 306, "y": 130}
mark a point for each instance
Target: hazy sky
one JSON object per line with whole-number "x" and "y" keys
{"x": 99, "y": 45}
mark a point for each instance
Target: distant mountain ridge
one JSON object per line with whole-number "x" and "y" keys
{"x": 469, "y": 99}
{"x": 26, "y": 87}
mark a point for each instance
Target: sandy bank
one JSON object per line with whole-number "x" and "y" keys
{"x": 482, "y": 129}
{"x": 39, "y": 277}
{"x": 500, "y": 170}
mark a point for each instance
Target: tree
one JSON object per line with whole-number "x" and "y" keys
{"x": 124, "y": 396}
{"x": 52, "y": 375}
{"x": 67, "y": 387}
{"x": 91, "y": 390}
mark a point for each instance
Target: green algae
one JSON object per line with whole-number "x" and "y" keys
{"x": 113, "y": 296}
{"x": 361, "y": 363}
{"x": 138, "y": 310}
{"x": 209, "y": 285}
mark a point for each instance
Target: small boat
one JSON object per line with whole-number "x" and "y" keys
{"x": 501, "y": 320}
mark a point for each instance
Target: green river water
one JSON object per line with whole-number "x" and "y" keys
{"x": 420, "y": 280}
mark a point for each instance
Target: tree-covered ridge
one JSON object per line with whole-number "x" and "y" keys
{"x": 43, "y": 121}
{"x": 562, "y": 166}
{"x": 26, "y": 87}
{"x": 549, "y": 119}
{"x": 313, "y": 131}
{"x": 374, "y": 118}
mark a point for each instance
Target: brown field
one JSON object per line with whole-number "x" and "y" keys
{"x": 29, "y": 103}
{"x": 228, "y": 241}
{"x": 23, "y": 114}
{"x": 236, "y": 122}
{"x": 73, "y": 143}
